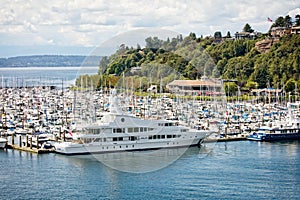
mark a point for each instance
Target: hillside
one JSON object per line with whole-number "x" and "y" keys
{"x": 49, "y": 61}
{"x": 194, "y": 57}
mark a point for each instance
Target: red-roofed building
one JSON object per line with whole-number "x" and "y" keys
{"x": 205, "y": 86}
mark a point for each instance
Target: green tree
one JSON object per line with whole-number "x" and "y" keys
{"x": 153, "y": 43}
{"x": 103, "y": 64}
{"x": 288, "y": 21}
{"x": 193, "y": 36}
{"x": 218, "y": 34}
{"x": 290, "y": 85}
{"x": 279, "y": 22}
{"x": 251, "y": 85}
{"x": 228, "y": 34}
{"x": 230, "y": 88}
{"x": 297, "y": 17}
{"x": 247, "y": 28}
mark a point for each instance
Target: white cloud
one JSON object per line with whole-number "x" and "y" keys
{"x": 90, "y": 22}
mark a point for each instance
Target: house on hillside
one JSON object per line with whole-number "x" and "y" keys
{"x": 280, "y": 31}
{"x": 245, "y": 35}
{"x": 204, "y": 86}
{"x": 295, "y": 30}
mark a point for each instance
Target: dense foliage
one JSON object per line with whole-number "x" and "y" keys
{"x": 194, "y": 57}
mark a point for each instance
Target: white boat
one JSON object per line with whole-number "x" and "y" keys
{"x": 3, "y": 142}
{"x": 121, "y": 132}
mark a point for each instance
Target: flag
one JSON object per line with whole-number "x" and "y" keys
{"x": 69, "y": 132}
{"x": 269, "y": 19}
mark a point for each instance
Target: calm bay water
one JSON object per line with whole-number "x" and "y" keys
{"x": 27, "y": 76}
{"x": 235, "y": 170}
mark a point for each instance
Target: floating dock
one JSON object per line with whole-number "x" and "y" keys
{"x": 28, "y": 146}
{"x": 28, "y": 149}
{"x": 228, "y": 138}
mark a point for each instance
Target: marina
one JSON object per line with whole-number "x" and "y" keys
{"x": 34, "y": 119}
{"x": 180, "y": 100}
{"x": 46, "y": 119}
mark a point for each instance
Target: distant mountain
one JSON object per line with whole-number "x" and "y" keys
{"x": 49, "y": 61}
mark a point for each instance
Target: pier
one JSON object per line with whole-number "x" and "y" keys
{"x": 231, "y": 138}
{"x": 28, "y": 146}
{"x": 28, "y": 149}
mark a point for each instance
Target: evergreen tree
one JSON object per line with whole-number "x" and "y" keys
{"x": 247, "y": 28}
{"x": 297, "y": 17}
{"x": 279, "y": 22}
{"x": 218, "y": 34}
{"x": 228, "y": 34}
{"x": 193, "y": 36}
{"x": 288, "y": 21}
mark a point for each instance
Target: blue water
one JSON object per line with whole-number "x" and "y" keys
{"x": 28, "y": 76}
{"x": 233, "y": 170}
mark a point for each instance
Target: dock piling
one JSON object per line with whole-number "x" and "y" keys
{"x": 26, "y": 145}
{"x": 20, "y": 141}
{"x": 37, "y": 142}
{"x": 13, "y": 139}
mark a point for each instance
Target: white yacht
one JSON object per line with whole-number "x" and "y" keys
{"x": 121, "y": 132}
{"x": 2, "y": 143}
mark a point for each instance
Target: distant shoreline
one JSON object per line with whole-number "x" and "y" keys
{"x": 3, "y": 67}
{"x": 49, "y": 61}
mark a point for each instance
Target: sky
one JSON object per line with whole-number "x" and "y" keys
{"x": 78, "y": 27}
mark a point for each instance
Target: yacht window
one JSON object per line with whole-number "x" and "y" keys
{"x": 150, "y": 129}
{"x": 154, "y": 136}
{"x": 141, "y": 129}
{"x": 174, "y": 136}
{"x": 130, "y": 130}
{"x": 136, "y": 129}
{"x": 150, "y": 137}
{"x": 169, "y": 136}
{"x": 119, "y": 130}
{"x": 163, "y": 137}
{"x": 96, "y": 131}
{"x": 120, "y": 138}
{"x": 145, "y": 129}
{"x": 158, "y": 136}
{"x": 87, "y": 140}
{"x": 132, "y": 138}
{"x": 115, "y": 139}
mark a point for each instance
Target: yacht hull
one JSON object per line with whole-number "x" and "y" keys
{"x": 70, "y": 148}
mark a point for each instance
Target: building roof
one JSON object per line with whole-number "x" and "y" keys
{"x": 271, "y": 90}
{"x": 192, "y": 83}
{"x": 278, "y": 28}
{"x": 296, "y": 28}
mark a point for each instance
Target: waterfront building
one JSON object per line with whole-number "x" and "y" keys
{"x": 204, "y": 86}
